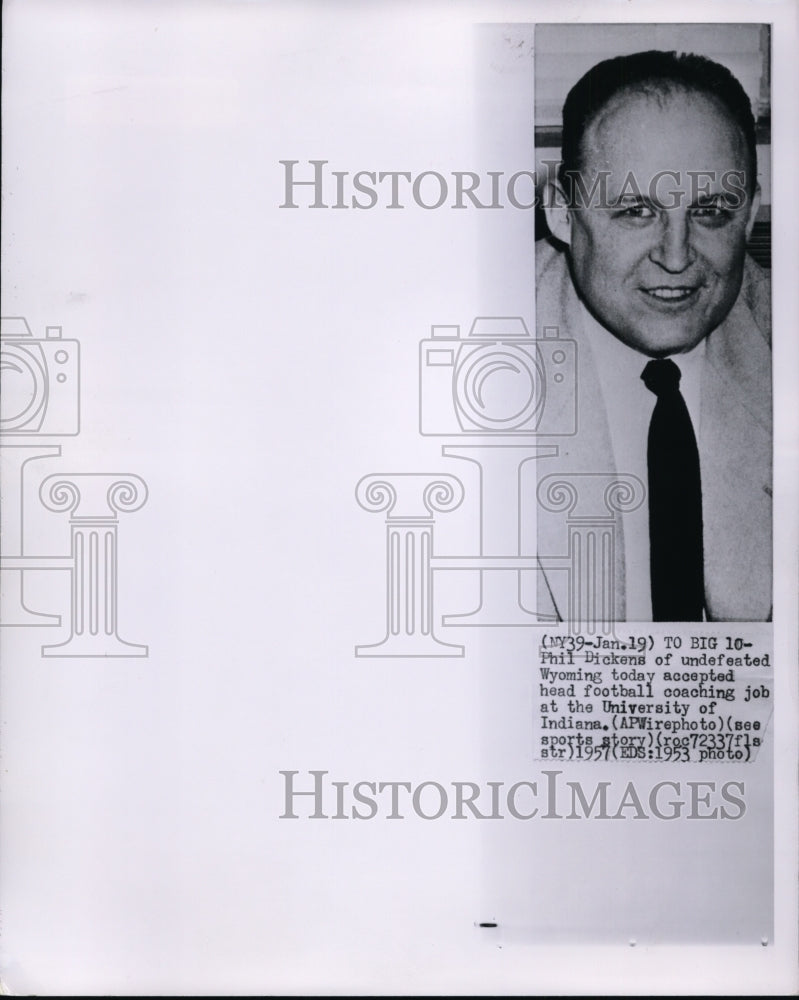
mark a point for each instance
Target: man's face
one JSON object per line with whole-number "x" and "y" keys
{"x": 660, "y": 263}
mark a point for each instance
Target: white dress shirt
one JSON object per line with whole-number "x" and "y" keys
{"x": 629, "y": 405}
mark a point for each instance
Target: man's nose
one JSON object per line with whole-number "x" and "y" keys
{"x": 672, "y": 249}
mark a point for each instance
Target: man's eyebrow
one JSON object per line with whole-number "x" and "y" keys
{"x": 725, "y": 199}
{"x": 630, "y": 199}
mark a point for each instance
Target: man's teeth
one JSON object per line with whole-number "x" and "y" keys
{"x": 669, "y": 293}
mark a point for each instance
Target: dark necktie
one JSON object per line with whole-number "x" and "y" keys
{"x": 675, "y": 501}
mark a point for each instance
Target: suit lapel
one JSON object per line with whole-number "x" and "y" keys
{"x": 587, "y": 452}
{"x": 735, "y": 454}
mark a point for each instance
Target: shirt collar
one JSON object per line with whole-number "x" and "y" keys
{"x": 619, "y": 366}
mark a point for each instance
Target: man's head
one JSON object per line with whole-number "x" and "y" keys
{"x": 657, "y": 196}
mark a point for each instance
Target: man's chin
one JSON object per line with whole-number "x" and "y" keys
{"x": 655, "y": 334}
{"x": 661, "y": 343}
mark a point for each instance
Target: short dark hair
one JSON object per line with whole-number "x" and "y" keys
{"x": 657, "y": 73}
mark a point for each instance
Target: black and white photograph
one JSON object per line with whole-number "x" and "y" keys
{"x": 656, "y": 232}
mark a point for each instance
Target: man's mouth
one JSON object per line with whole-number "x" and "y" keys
{"x": 671, "y": 294}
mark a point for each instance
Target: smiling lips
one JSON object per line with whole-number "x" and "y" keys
{"x": 671, "y": 294}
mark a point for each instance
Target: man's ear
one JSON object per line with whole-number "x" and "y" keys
{"x": 557, "y": 213}
{"x": 752, "y": 211}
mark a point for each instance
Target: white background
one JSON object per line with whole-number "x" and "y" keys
{"x": 251, "y": 364}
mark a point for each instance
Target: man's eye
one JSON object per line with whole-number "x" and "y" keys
{"x": 710, "y": 213}
{"x": 635, "y": 212}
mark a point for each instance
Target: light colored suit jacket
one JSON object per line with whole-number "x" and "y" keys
{"x": 735, "y": 446}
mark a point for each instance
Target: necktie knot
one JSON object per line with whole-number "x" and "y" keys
{"x": 661, "y": 377}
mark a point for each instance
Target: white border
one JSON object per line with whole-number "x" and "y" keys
{"x": 665, "y": 969}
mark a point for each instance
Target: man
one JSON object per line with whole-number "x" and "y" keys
{"x": 655, "y": 199}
